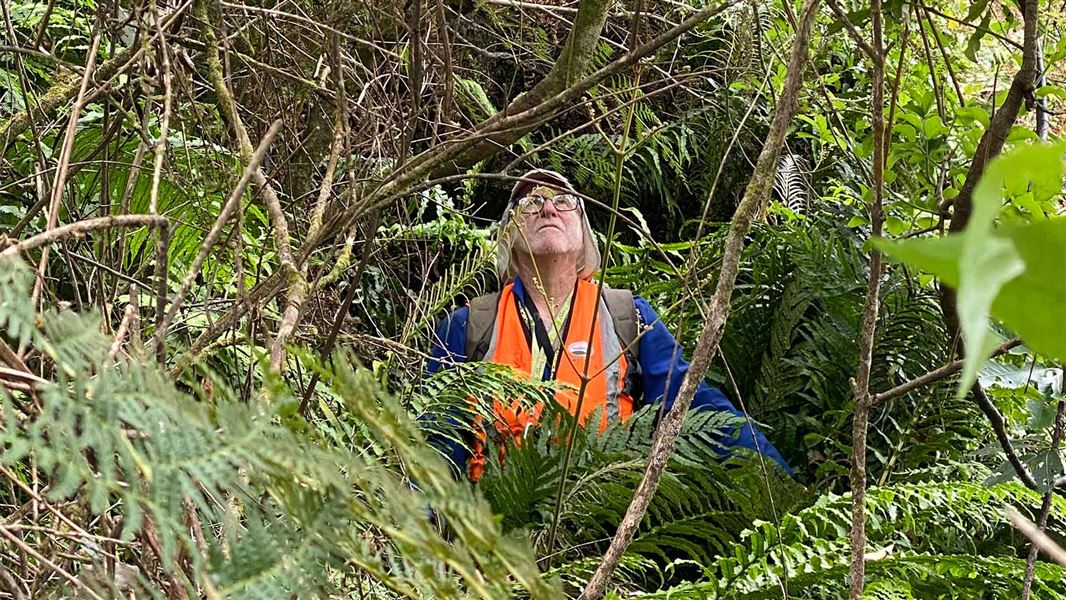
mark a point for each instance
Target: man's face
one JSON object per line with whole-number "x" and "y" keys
{"x": 549, "y": 231}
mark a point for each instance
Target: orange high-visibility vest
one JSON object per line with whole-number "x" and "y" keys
{"x": 601, "y": 357}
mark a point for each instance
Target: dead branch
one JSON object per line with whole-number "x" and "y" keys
{"x": 342, "y": 310}
{"x": 340, "y": 133}
{"x": 17, "y": 541}
{"x": 67, "y": 89}
{"x": 23, "y": 377}
{"x": 80, "y": 228}
{"x": 223, "y": 217}
{"x": 296, "y": 288}
{"x": 128, "y": 317}
{"x": 495, "y": 133}
{"x": 58, "y": 95}
{"x": 756, "y": 195}
{"x": 853, "y": 33}
{"x": 64, "y": 161}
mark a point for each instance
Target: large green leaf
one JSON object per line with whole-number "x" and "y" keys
{"x": 1016, "y": 273}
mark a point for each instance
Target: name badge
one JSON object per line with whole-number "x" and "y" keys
{"x": 579, "y": 349}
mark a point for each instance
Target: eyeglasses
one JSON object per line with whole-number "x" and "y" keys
{"x": 533, "y": 202}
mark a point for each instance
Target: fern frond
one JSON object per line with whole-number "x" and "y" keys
{"x": 117, "y": 433}
{"x": 468, "y": 276}
{"x": 933, "y": 529}
{"x": 791, "y": 183}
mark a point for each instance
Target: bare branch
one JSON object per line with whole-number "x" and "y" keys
{"x": 755, "y": 196}
{"x": 1045, "y": 505}
{"x": 80, "y": 228}
{"x": 17, "y": 541}
{"x": 223, "y": 217}
{"x": 508, "y": 125}
{"x": 67, "y": 89}
{"x": 852, "y": 31}
{"x": 938, "y": 374}
{"x": 64, "y": 161}
{"x": 1039, "y": 539}
{"x": 871, "y": 311}
{"x": 991, "y": 144}
{"x": 297, "y": 284}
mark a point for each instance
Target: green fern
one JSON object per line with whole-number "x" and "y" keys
{"x": 949, "y": 531}
{"x": 294, "y": 518}
{"x": 468, "y": 276}
{"x": 699, "y": 510}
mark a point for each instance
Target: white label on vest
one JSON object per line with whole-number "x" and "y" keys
{"x": 579, "y": 349}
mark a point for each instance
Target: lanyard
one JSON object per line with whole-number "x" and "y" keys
{"x": 544, "y": 344}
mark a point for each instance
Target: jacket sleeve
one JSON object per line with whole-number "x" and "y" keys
{"x": 661, "y": 364}
{"x": 449, "y": 341}
{"x": 447, "y": 349}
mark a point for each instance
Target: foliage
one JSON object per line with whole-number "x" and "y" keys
{"x": 230, "y": 478}
{"x": 1005, "y": 270}
{"x": 941, "y": 539}
{"x": 276, "y": 516}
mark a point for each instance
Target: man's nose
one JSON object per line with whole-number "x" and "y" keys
{"x": 548, "y": 209}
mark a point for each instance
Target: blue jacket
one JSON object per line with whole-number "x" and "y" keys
{"x": 657, "y": 347}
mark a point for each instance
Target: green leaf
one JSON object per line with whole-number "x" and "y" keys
{"x": 858, "y": 18}
{"x": 1034, "y": 304}
{"x": 895, "y": 225}
{"x": 939, "y": 256}
{"x": 1041, "y": 413}
{"x": 1015, "y": 273}
{"x": 974, "y": 43}
{"x": 976, "y": 9}
{"x": 933, "y": 127}
{"x": 1021, "y": 132}
{"x": 1051, "y": 90}
{"x": 968, "y": 114}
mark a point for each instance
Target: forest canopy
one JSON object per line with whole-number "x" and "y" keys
{"x": 230, "y": 231}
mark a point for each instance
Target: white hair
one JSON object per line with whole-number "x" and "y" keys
{"x": 506, "y": 265}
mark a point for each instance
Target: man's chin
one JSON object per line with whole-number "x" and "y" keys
{"x": 551, "y": 250}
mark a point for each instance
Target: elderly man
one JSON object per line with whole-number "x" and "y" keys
{"x": 550, "y": 319}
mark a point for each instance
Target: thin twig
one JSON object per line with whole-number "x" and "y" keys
{"x": 120, "y": 335}
{"x": 853, "y": 33}
{"x": 938, "y": 374}
{"x": 871, "y": 311}
{"x": 220, "y": 222}
{"x": 64, "y": 161}
{"x": 25, "y": 377}
{"x": 1039, "y": 539}
{"x": 340, "y": 133}
{"x": 999, "y": 427}
{"x": 1045, "y": 505}
{"x": 63, "y": 91}
{"x": 17, "y": 541}
{"x": 342, "y": 310}
{"x": 947, "y": 61}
